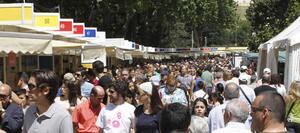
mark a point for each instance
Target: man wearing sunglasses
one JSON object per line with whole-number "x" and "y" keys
{"x": 268, "y": 113}
{"x": 44, "y": 115}
{"x": 11, "y": 115}
{"x": 84, "y": 116}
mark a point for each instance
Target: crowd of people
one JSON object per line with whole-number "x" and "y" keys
{"x": 203, "y": 95}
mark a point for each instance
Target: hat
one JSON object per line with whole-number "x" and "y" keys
{"x": 69, "y": 77}
{"x": 244, "y": 68}
{"x": 243, "y": 78}
{"x": 267, "y": 70}
{"x": 147, "y": 87}
{"x": 155, "y": 80}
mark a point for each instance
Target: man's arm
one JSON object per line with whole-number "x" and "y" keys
{"x": 12, "y": 120}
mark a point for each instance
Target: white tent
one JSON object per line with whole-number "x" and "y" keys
{"x": 289, "y": 39}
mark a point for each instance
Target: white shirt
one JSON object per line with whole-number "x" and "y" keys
{"x": 246, "y": 76}
{"x": 281, "y": 90}
{"x": 249, "y": 92}
{"x": 215, "y": 117}
{"x": 116, "y": 118}
{"x": 233, "y": 127}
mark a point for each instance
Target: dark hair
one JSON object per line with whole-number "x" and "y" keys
{"x": 98, "y": 66}
{"x": 235, "y": 73}
{"x": 220, "y": 88}
{"x": 218, "y": 96}
{"x": 275, "y": 79}
{"x": 174, "y": 117}
{"x": 266, "y": 79}
{"x": 275, "y": 102}
{"x": 120, "y": 86}
{"x": 23, "y": 76}
{"x": 20, "y": 92}
{"x": 46, "y": 78}
{"x": 155, "y": 104}
{"x": 199, "y": 72}
{"x": 72, "y": 92}
{"x": 200, "y": 99}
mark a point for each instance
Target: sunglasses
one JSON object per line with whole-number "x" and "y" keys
{"x": 111, "y": 91}
{"x": 77, "y": 74}
{"x": 31, "y": 86}
{"x": 2, "y": 96}
{"x": 258, "y": 109}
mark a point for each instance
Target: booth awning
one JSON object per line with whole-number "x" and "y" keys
{"x": 25, "y": 43}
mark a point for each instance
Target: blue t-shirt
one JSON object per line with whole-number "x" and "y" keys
{"x": 86, "y": 89}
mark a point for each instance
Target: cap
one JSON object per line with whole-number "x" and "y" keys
{"x": 244, "y": 67}
{"x": 243, "y": 78}
{"x": 147, "y": 87}
{"x": 69, "y": 77}
{"x": 155, "y": 80}
{"x": 267, "y": 70}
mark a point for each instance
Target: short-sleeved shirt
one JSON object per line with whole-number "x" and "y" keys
{"x": 86, "y": 117}
{"x": 55, "y": 120}
{"x": 146, "y": 123}
{"x": 178, "y": 96}
{"x": 186, "y": 80}
{"x": 207, "y": 77}
{"x": 116, "y": 118}
{"x": 86, "y": 89}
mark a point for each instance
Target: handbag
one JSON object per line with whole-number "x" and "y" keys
{"x": 289, "y": 124}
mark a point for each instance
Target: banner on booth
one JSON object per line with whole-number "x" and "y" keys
{"x": 16, "y": 13}
{"x": 47, "y": 21}
{"x": 78, "y": 29}
{"x": 90, "y": 32}
{"x": 66, "y": 25}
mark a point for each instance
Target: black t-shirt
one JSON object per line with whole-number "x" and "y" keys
{"x": 264, "y": 88}
{"x": 146, "y": 123}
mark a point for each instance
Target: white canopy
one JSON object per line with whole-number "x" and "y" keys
{"x": 25, "y": 43}
{"x": 289, "y": 39}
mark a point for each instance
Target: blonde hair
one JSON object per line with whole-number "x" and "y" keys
{"x": 227, "y": 75}
{"x": 294, "y": 91}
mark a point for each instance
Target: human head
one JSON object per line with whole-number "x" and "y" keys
{"x": 98, "y": 66}
{"x": 117, "y": 91}
{"x": 244, "y": 69}
{"x": 267, "y": 71}
{"x": 148, "y": 94}
{"x": 235, "y": 73}
{"x": 236, "y": 111}
{"x": 80, "y": 75}
{"x": 21, "y": 93}
{"x": 22, "y": 79}
{"x": 96, "y": 96}
{"x": 220, "y": 88}
{"x": 5, "y": 95}
{"x": 227, "y": 75}
{"x": 231, "y": 91}
{"x": 267, "y": 109}
{"x": 171, "y": 83}
{"x": 243, "y": 80}
{"x": 175, "y": 117}
{"x": 294, "y": 91}
{"x": 199, "y": 107}
{"x": 43, "y": 85}
{"x": 275, "y": 79}
{"x": 266, "y": 79}
{"x": 125, "y": 74}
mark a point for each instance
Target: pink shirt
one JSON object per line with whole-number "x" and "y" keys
{"x": 86, "y": 117}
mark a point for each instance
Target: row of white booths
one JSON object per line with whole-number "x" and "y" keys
{"x": 289, "y": 41}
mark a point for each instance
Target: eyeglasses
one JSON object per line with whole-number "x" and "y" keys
{"x": 258, "y": 109}
{"x": 2, "y": 96}
{"x": 111, "y": 91}
{"x": 31, "y": 86}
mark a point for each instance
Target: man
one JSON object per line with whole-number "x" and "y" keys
{"x": 208, "y": 77}
{"x": 266, "y": 71}
{"x": 215, "y": 118}
{"x": 268, "y": 113}
{"x": 247, "y": 94}
{"x": 85, "y": 115}
{"x": 185, "y": 79}
{"x": 44, "y": 115}
{"x": 118, "y": 115}
{"x": 175, "y": 118}
{"x": 85, "y": 87}
{"x": 22, "y": 80}
{"x": 266, "y": 80}
{"x": 236, "y": 114}
{"x": 125, "y": 74}
{"x": 11, "y": 115}
{"x": 98, "y": 67}
{"x": 244, "y": 75}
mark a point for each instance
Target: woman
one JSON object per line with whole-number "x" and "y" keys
{"x": 68, "y": 98}
{"x": 275, "y": 83}
{"x": 199, "y": 121}
{"x": 293, "y": 107}
{"x": 147, "y": 114}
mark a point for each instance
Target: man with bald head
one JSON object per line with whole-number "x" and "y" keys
{"x": 235, "y": 116}
{"x": 11, "y": 115}
{"x": 85, "y": 114}
{"x": 215, "y": 118}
